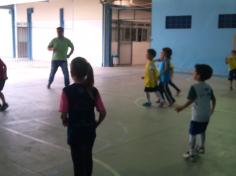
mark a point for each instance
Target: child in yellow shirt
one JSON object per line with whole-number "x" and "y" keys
{"x": 151, "y": 78}
{"x": 231, "y": 62}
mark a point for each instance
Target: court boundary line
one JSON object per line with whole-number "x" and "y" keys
{"x": 101, "y": 163}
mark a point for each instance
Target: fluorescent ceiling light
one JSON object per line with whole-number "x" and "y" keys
{"x": 10, "y": 2}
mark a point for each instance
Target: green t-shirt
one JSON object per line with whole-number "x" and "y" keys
{"x": 60, "y": 46}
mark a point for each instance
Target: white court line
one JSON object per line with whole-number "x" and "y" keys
{"x": 106, "y": 166}
{"x": 17, "y": 122}
{"x": 107, "y": 143}
{"x": 46, "y": 123}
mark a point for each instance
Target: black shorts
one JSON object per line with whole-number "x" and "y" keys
{"x": 232, "y": 75}
{"x": 2, "y": 83}
{"x": 197, "y": 127}
{"x": 151, "y": 89}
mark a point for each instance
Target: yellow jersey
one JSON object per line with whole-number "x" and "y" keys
{"x": 231, "y": 61}
{"x": 150, "y": 75}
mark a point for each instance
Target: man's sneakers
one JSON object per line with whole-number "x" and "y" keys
{"x": 4, "y": 107}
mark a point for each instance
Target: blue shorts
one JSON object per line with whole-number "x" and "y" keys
{"x": 2, "y": 83}
{"x": 197, "y": 127}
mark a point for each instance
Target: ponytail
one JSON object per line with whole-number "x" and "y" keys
{"x": 82, "y": 70}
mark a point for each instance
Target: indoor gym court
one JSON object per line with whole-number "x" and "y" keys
{"x": 132, "y": 141}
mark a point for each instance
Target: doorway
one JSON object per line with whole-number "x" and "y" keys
{"x": 131, "y": 33}
{"x": 22, "y": 42}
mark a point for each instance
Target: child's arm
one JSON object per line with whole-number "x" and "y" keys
{"x": 213, "y": 102}
{"x": 64, "y": 109}
{"x": 191, "y": 98}
{"x": 64, "y": 118}
{"x": 100, "y": 108}
{"x": 182, "y": 107}
{"x": 101, "y": 117}
{"x": 4, "y": 69}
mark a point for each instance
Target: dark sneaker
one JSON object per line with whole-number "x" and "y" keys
{"x": 49, "y": 86}
{"x": 147, "y": 104}
{"x": 171, "y": 104}
{"x": 4, "y": 107}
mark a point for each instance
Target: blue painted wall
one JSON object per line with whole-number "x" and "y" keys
{"x": 204, "y": 42}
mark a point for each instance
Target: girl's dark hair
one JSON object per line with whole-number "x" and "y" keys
{"x": 167, "y": 51}
{"x": 233, "y": 51}
{"x": 152, "y": 52}
{"x": 205, "y": 71}
{"x": 82, "y": 70}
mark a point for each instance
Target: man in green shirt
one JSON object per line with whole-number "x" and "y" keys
{"x": 59, "y": 46}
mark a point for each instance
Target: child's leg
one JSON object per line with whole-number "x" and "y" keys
{"x": 2, "y": 98}
{"x": 202, "y": 139}
{"x": 148, "y": 103}
{"x": 89, "y": 160}
{"x": 168, "y": 94}
{"x": 174, "y": 86}
{"x": 230, "y": 78}
{"x": 231, "y": 84}
{"x": 192, "y": 144}
{"x": 75, "y": 155}
{"x": 148, "y": 97}
{"x": 160, "y": 99}
{"x": 161, "y": 87}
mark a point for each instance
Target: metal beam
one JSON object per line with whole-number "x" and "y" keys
{"x": 29, "y": 32}
{"x": 107, "y": 26}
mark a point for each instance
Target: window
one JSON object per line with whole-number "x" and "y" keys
{"x": 227, "y": 21}
{"x": 131, "y": 31}
{"x": 178, "y": 22}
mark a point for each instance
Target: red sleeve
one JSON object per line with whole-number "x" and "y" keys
{"x": 63, "y": 103}
{"x": 99, "y": 104}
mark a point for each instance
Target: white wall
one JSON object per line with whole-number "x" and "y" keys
{"x": 6, "y": 46}
{"x": 139, "y": 52}
{"x": 83, "y": 25}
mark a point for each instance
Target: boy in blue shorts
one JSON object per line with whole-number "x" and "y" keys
{"x": 3, "y": 78}
{"x": 202, "y": 97}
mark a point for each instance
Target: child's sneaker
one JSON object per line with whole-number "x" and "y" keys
{"x": 147, "y": 104}
{"x": 4, "y": 107}
{"x": 189, "y": 156}
{"x": 200, "y": 150}
{"x": 161, "y": 104}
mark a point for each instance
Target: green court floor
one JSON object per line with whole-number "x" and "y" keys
{"x": 132, "y": 141}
